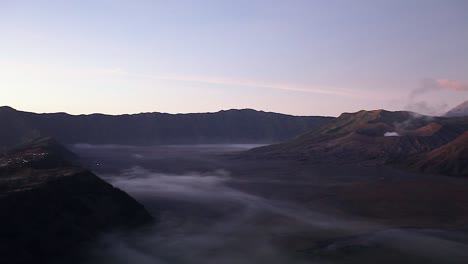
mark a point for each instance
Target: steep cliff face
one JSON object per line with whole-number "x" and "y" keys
{"x": 51, "y": 208}
{"x": 232, "y": 126}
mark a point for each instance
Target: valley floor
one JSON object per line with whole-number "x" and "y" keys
{"x": 216, "y": 208}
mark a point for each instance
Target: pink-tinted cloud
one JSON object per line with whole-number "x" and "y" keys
{"x": 452, "y": 85}
{"x": 429, "y": 85}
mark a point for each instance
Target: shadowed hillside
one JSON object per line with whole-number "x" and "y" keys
{"x": 451, "y": 159}
{"x": 51, "y": 207}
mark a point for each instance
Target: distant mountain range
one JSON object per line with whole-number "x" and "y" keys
{"x": 459, "y": 110}
{"x": 231, "y": 126}
{"x": 407, "y": 139}
{"x": 430, "y": 144}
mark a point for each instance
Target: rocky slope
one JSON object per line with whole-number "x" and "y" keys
{"x": 232, "y": 126}
{"x": 450, "y": 159}
{"x": 51, "y": 208}
{"x": 377, "y": 137}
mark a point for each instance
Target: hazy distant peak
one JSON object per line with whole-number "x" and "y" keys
{"x": 459, "y": 110}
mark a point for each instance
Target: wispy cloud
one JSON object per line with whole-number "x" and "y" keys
{"x": 233, "y": 82}
{"x": 111, "y": 71}
{"x": 248, "y": 83}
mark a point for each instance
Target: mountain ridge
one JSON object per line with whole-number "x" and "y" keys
{"x": 9, "y": 108}
{"x": 228, "y": 126}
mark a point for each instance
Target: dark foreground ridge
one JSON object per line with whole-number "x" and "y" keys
{"x": 225, "y": 127}
{"x": 52, "y": 207}
{"x": 417, "y": 142}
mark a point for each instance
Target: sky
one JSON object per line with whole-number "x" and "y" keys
{"x": 312, "y": 57}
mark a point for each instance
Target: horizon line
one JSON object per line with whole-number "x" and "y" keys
{"x": 209, "y": 112}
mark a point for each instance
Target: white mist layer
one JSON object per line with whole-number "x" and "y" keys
{"x": 207, "y": 221}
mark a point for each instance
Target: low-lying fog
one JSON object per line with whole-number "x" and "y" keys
{"x": 204, "y": 218}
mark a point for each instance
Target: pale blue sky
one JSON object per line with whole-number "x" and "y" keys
{"x": 297, "y": 57}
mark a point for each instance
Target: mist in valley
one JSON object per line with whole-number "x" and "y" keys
{"x": 204, "y": 216}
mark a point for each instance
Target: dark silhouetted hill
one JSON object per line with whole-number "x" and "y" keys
{"x": 232, "y": 126}
{"x": 51, "y": 207}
